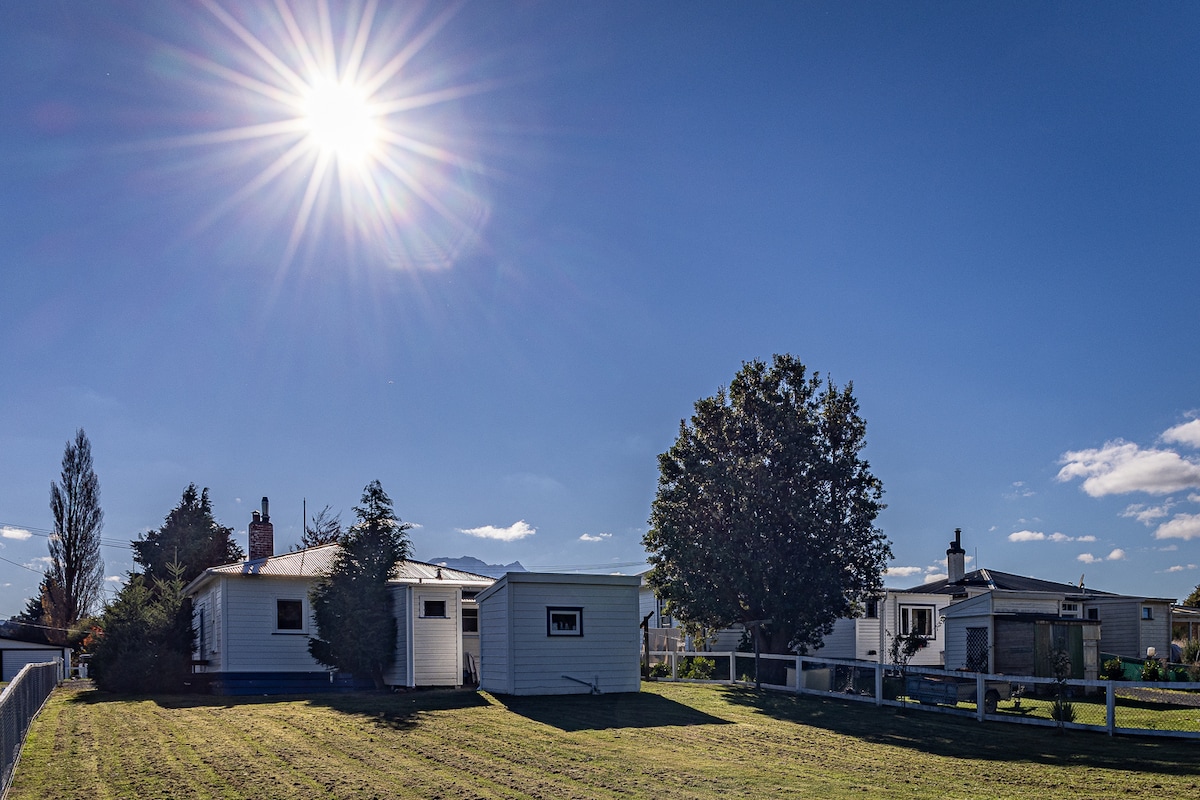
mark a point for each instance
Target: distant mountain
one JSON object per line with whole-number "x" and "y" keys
{"x": 479, "y": 567}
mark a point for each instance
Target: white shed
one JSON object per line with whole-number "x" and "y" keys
{"x": 16, "y": 653}
{"x": 543, "y": 633}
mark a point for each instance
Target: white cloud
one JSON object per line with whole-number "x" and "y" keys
{"x": 518, "y": 530}
{"x": 115, "y": 579}
{"x": 1026, "y": 536}
{"x": 1088, "y": 538}
{"x": 1169, "y": 548}
{"x": 1183, "y": 526}
{"x": 1121, "y": 467}
{"x": 936, "y": 576}
{"x": 904, "y": 572}
{"x": 41, "y": 562}
{"x": 600, "y": 537}
{"x": 1117, "y": 555}
{"x": 1148, "y": 514}
{"x": 1019, "y": 489}
{"x": 1180, "y": 568}
{"x": 1088, "y": 558}
{"x": 9, "y": 532}
{"x": 1188, "y": 433}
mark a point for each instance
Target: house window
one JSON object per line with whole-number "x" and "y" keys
{"x": 916, "y": 619}
{"x": 289, "y": 615}
{"x": 1147, "y": 612}
{"x": 470, "y": 620}
{"x": 202, "y": 629}
{"x": 564, "y": 622}
{"x": 1093, "y": 613}
{"x": 433, "y": 608}
{"x": 664, "y": 619}
{"x": 871, "y": 609}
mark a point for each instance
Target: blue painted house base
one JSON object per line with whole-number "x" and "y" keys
{"x": 249, "y": 683}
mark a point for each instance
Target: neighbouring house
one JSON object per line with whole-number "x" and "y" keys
{"x": 543, "y": 633}
{"x": 664, "y": 632}
{"x": 253, "y": 621}
{"x": 16, "y": 653}
{"x": 1017, "y": 621}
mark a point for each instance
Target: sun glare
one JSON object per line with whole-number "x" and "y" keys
{"x": 340, "y": 122}
{"x": 345, "y": 120}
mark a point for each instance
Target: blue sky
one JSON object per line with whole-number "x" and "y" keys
{"x": 571, "y": 221}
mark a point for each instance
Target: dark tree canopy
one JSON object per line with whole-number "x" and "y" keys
{"x": 76, "y": 572}
{"x": 352, "y": 605}
{"x": 1193, "y": 599}
{"x": 190, "y": 537}
{"x": 766, "y": 510}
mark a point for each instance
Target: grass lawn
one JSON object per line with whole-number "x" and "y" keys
{"x": 670, "y": 741}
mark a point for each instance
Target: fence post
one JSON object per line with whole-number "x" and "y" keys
{"x": 1110, "y": 706}
{"x": 674, "y": 665}
{"x": 732, "y": 667}
{"x": 980, "y": 694}
{"x": 797, "y": 673}
{"x": 879, "y": 684}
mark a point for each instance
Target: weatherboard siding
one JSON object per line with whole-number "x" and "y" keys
{"x": 494, "y": 641}
{"x": 252, "y": 641}
{"x": 437, "y": 642}
{"x": 610, "y": 631}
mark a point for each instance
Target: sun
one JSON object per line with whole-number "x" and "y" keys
{"x": 340, "y": 121}
{"x": 346, "y": 124}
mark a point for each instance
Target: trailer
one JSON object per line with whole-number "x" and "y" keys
{"x": 950, "y": 690}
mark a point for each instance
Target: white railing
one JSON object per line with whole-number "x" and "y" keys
{"x": 1161, "y": 708}
{"x": 21, "y": 701}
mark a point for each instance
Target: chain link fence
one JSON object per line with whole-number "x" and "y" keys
{"x": 19, "y": 704}
{"x": 1163, "y": 708}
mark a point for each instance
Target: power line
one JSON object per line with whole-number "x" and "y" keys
{"x": 46, "y": 534}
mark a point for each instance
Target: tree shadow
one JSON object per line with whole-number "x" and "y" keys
{"x": 582, "y": 712}
{"x": 399, "y": 710}
{"x": 952, "y": 737}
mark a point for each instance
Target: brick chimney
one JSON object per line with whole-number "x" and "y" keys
{"x": 262, "y": 534}
{"x": 956, "y": 558}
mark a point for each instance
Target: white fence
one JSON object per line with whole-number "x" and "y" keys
{"x": 1163, "y": 708}
{"x": 21, "y": 701}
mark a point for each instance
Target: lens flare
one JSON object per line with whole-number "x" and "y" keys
{"x": 348, "y": 124}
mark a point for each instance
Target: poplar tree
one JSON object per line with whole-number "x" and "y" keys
{"x": 74, "y": 579}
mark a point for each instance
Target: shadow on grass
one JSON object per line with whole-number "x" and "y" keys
{"x": 398, "y": 710}
{"x": 582, "y": 712}
{"x": 952, "y": 737}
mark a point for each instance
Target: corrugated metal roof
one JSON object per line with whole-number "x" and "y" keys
{"x": 994, "y": 579}
{"x": 317, "y": 561}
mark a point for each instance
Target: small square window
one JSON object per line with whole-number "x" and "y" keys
{"x": 470, "y": 620}
{"x": 433, "y": 608}
{"x": 1093, "y": 613}
{"x": 1147, "y": 612}
{"x": 289, "y": 615}
{"x": 564, "y": 622}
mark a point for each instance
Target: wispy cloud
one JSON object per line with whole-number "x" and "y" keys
{"x": 9, "y": 532}
{"x": 1180, "y": 568}
{"x": 1019, "y": 490}
{"x": 518, "y": 530}
{"x": 904, "y": 572}
{"x": 599, "y": 537}
{"x": 1038, "y": 536}
{"x": 1147, "y": 514}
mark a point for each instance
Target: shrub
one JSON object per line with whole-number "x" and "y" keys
{"x": 1191, "y": 652}
{"x": 1113, "y": 670}
{"x": 1063, "y": 710}
{"x": 697, "y": 668}
{"x": 1152, "y": 670}
{"x": 660, "y": 670}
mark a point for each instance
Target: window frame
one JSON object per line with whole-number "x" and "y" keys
{"x": 906, "y": 619}
{"x": 469, "y": 613}
{"x": 577, "y": 611}
{"x": 1147, "y": 613}
{"x": 301, "y": 628}
{"x": 425, "y": 603}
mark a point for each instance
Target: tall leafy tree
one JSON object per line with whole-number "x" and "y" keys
{"x": 189, "y": 537}
{"x": 76, "y": 572}
{"x": 352, "y": 605}
{"x": 765, "y": 510}
{"x": 1193, "y": 599}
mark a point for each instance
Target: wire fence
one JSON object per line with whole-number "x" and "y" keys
{"x": 19, "y": 704}
{"x": 1157, "y": 708}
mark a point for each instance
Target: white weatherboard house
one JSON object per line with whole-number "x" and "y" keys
{"x": 544, "y": 633}
{"x": 253, "y": 621}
